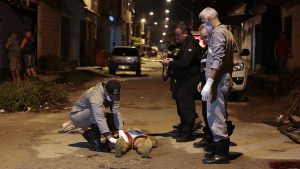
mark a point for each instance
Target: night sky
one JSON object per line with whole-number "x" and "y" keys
{"x": 179, "y": 11}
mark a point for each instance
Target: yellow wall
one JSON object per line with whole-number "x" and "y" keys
{"x": 294, "y": 62}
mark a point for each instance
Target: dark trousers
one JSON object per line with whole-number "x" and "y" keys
{"x": 186, "y": 90}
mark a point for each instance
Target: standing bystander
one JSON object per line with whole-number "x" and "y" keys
{"x": 13, "y": 54}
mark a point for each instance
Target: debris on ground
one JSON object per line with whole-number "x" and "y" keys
{"x": 69, "y": 128}
{"x": 288, "y": 123}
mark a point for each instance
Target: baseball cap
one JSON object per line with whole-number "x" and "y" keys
{"x": 113, "y": 88}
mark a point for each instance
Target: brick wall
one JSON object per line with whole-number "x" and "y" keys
{"x": 48, "y": 28}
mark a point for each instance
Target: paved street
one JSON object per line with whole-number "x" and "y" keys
{"x": 30, "y": 140}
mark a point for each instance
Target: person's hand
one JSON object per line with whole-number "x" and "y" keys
{"x": 123, "y": 135}
{"x": 112, "y": 140}
{"x": 207, "y": 89}
{"x": 199, "y": 87}
{"x": 164, "y": 55}
{"x": 165, "y": 62}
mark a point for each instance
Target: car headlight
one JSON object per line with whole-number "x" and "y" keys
{"x": 238, "y": 66}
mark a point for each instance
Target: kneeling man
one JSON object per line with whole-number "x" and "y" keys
{"x": 89, "y": 112}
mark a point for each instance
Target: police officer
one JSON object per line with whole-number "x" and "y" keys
{"x": 219, "y": 67}
{"x": 89, "y": 111}
{"x": 185, "y": 69}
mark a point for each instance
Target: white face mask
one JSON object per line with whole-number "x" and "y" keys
{"x": 208, "y": 25}
{"x": 108, "y": 98}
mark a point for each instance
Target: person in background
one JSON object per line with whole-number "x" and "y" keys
{"x": 27, "y": 49}
{"x": 13, "y": 54}
{"x": 281, "y": 52}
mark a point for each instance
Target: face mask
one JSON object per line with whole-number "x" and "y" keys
{"x": 206, "y": 41}
{"x": 108, "y": 98}
{"x": 208, "y": 24}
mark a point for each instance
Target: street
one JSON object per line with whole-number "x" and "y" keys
{"x": 30, "y": 140}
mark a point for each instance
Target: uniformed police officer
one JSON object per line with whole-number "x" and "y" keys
{"x": 89, "y": 111}
{"x": 219, "y": 67}
{"x": 185, "y": 69}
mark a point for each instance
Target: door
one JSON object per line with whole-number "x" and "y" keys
{"x": 65, "y": 38}
{"x": 257, "y": 47}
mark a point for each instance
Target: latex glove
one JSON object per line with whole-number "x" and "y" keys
{"x": 207, "y": 89}
{"x": 199, "y": 87}
{"x": 123, "y": 135}
{"x": 112, "y": 140}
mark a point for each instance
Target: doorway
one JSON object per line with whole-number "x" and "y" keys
{"x": 65, "y": 38}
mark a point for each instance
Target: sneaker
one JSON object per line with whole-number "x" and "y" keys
{"x": 119, "y": 147}
{"x": 147, "y": 148}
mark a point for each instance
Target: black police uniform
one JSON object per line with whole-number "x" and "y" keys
{"x": 186, "y": 70}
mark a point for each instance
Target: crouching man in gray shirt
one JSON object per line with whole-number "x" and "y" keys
{"x": 89, "y": 111}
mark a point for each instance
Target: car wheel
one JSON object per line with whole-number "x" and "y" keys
{"x": 112, "y": 71}
{"x": 241, "y": 96}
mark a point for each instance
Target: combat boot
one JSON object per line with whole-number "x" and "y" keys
{"x": 206, "y": 139}
{"x": 177, "y": 132}
{"x": 185, "y": 138}
{"x": 88, "y": 137}
{"x": 95, "y": 133}
{"x": 221, "y": 153}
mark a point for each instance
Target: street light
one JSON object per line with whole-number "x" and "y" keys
{"x": 164, "y": 33}
{"x": 167, "y": 11}
{"x": 143, "y": 20}
{"x": 190, "y": 11}
{"x": 167, "y": 19}
{"x": 151, "y": 13}
{"x": 155, "y": 23}
{"x": 161, "y": 41}
{"x": 166, "y": 26}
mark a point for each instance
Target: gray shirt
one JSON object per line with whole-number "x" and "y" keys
{"x": 13, "y": 50}
{"x": 220, "y": 51}
{"x": 93, "y": 99}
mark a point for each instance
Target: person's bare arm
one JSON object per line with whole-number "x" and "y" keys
{"x": 23, "y": 43}
{"x": 7, "y": 45}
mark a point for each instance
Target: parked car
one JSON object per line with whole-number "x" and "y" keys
{"x": 240, "y": 74}
{"x": 125, "y": 58}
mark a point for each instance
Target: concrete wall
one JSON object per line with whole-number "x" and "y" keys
{"x": 77, "y": 14}
{"x": 248, "y": 40}
{"x": 294, "y": 62}
{"x": 48, "y": 29}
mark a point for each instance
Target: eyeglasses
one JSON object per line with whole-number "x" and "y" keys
{"x": 177, "y": 35}
{"x": 204, "y": 37}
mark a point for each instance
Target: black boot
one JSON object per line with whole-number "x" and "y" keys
{"x": 177, "y": 133}
{"x": 221, "y": 153}
{"x": 185, "y": 137}
{"x": 101, "y": 147}
{"x": 88, "y": 137}
{"x": 206, "y": 139}
{"x": 202, "y": 143}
